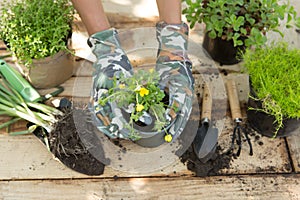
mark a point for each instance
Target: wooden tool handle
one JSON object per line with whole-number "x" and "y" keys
{"x": 206, "y": 103}
{"x": 233, "y": 100}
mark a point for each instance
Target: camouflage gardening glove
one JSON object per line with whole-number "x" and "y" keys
{"x": 111, "y": 62}
{"x": 174, "y": 68}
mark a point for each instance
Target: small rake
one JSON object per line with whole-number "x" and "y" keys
{"x": 237, "y": 118}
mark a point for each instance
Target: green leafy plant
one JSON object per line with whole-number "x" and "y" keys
{"x": 142, "y": 93}
{"x": 36, "y": 29}
{"x": 275, "y": 78}
{"x": 13, "y": 105}
{"x": 246, "y": 22}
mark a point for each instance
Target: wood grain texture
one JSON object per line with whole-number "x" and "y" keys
{"x": 216, "y": 188}
{"x": 294, "y": 147}
{"x": 29, "y": 171}
{"x": 25, "y": 157}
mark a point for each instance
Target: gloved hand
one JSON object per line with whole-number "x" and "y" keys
{"x": 111, "y": 62}
{"x": 174, "y": 68}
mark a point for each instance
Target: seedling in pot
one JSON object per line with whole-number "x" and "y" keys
{"x": 275, "y": 82}
{"x": 141, "y": 97}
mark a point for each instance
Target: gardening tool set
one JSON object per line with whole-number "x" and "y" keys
{"x": 205, "y": 141}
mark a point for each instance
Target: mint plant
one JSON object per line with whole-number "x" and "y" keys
{"x": 246, "y": 22}
{"x": 35, "y": 29}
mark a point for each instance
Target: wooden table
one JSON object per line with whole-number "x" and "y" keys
{"x": 29, "y": 171}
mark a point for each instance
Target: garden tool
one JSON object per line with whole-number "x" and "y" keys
{"x": 22, "y": 86}
{"x": 237, "y": 118}
{"x": 206, "y": 139}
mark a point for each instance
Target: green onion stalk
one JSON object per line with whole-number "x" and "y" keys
{"x": 12, "y": 104}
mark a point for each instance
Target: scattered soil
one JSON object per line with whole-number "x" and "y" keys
{"x": 220, "y": 160}
{"x": 66, "y": 145}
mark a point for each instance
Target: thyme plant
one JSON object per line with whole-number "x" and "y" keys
{"x": 35, "y": 29}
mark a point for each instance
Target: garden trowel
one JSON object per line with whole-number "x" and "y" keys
{"x": 206, "y": 139}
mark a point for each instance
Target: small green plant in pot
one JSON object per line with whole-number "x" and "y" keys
{"x": 36, "y": 31}
{"x": 237, "y": 24}
{"x": 274, "y": 103}
{"x": 138, "y": 96}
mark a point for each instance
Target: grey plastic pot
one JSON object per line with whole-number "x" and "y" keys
{"x": 49, "y": 72}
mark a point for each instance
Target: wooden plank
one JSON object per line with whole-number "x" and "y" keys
{"x": 25, "y": 157}
{"x": 4, "y": 53}
{"x": 294, "y": 146}
{"x": 216, "y": 188}
{"x": 74, "y": 87}
{"x": 132, "y": 8}
{"x": 270, "y": 155}
{"x": 17, "y": 159}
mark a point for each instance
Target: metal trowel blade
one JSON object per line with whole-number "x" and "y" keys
{"x": 205, "y": 141}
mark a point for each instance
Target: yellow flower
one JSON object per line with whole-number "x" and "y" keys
{"x": 139, "y": 107}
{"x": 122, "y": 86}
{"x": 143, "y": 91}
{"x": 168, "y": 138}
{"x": 151, "y": 70}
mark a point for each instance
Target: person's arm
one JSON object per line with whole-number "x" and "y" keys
{"x": 92, "y": 15}
{"x": 169, "y": 11}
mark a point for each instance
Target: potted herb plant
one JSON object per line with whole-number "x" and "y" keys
{"x": 37, "y": 33}
{"x": 232, "y": 26}
{"x": 140, "y": 96}
{"x": 274, "y": 103}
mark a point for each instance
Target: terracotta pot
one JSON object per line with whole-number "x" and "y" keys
{"x": 264, "y": 123}
{"x": 222, "y": 51}
{"x": 49, "y": 72}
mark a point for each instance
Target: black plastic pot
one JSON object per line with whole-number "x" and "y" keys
{"x": 222, "y": 51}
{"x": 264, "y": 123}
{"x": 149, "y": 137}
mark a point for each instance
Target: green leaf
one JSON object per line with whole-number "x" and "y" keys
{"x": 212, "y": 34}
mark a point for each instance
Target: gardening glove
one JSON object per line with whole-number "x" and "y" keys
{"x": 111, "y": 63}
{"x": 176, "y": 78}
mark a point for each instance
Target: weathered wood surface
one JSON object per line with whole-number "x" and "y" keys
{"x": 294, "y": 146}
{"x": 25, "y": 157}
{"x": 270, "y": 156}
{"x": 29, "y": 171}
{"x": 216, "y": 188}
